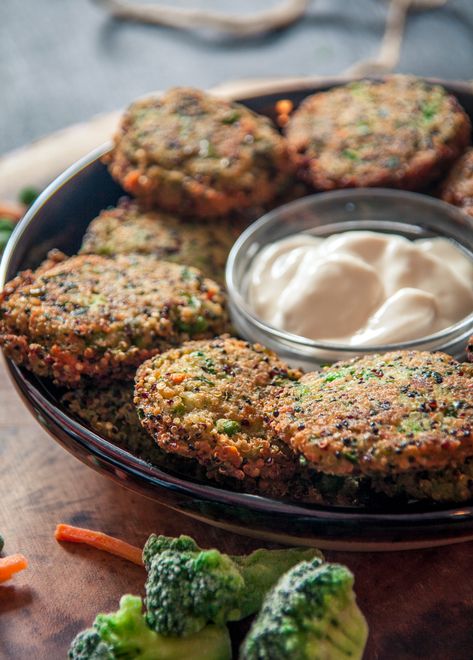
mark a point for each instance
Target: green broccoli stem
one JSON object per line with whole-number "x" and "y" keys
{"x": 125, "y": 635}
{"x": 346, "y": 632}
{"x": 262, "y": 569}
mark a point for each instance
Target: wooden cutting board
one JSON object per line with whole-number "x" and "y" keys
{"x": 419, "y": 604}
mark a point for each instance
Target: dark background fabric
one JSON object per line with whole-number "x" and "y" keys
{"x": 62, "y": 61}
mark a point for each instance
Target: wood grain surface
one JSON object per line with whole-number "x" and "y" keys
{"x": 419, "y": 604}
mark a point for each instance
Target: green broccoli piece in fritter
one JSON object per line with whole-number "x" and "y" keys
{"x": 2, "y": 542}
{"x": 188, "y": 587}
{"x": 311, "y": 614}
{"x": 125, "y": 635}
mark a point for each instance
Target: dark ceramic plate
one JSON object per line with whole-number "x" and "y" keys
{"x": 58, "y": 219}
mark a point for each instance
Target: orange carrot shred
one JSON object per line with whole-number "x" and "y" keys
{"x": 284, "y": 106}
{"x": 10, "y": 565}
{"x": 12, "y": 210}
{"x": 100, "y": 541}
{"x": 131, "y": 180}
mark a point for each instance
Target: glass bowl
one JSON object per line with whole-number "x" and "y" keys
{"x": 59, "y": 219}
{"x": 389, "y": 211}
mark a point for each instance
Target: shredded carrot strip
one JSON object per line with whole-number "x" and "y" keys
{"x": 10, "y": 565}
{"x": 100, "y": 541}
{"x": 12, "y": 210}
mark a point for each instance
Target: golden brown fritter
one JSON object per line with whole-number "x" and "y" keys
{"x": 110, "y": 412}
{"x": 128, "y": 229}
{"x": 191, "y": 153}
{"x": 457, "y": 189}
{"x": 382, "y": 414}
{"x": 449, "y": 485}
{"x": 205, "y": 399}
{"x": 401, "y": 132}
{"x": 100, "y": 317}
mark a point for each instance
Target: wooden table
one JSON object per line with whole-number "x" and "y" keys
{"x": 419, "y": 604}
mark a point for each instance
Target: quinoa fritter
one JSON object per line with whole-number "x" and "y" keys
{"x": 205, "y": 399}
{"x": 110, "y": 413}
{"x": 449, "y": 485}
{"x": 382, "y": 414}
{"x": 401, "y": 132}
{"x": 457, "y": 189}
{"x": 190, "y": 153}
{"x": 100, "y": 317}
{"x": 128, "y": 229}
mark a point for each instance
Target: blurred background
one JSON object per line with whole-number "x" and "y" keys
{"x": 63, "y": 61}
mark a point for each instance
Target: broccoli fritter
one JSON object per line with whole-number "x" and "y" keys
{"x": 110, "y": 412}
{"x": 382, "y": 414}
{"x": 296, "y": 189}
{"x": 311, "y": 614}
{"x": 125, "y": 635}
{"x": 401, "y": 132}
{"x": 457, "y": 189}
{"x": 449, "y": 485}
{"x": 188, "y": 587}
{"x": 98, "y": 317}
{"x": 128, "y": 229}
{"x": 191, "y": 153}
{"x": 205, "y": 399}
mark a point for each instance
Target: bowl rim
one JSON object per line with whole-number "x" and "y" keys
{"x": 427, "y": 517}
{"x": 243, "y": 243}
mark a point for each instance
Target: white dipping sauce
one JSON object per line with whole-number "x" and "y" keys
{"x": 361, "y": 288}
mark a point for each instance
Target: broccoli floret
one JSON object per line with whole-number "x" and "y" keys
{"x": 28, "y": 195}
{"x": 186, "y": 590}
{"x": 311, "y": 614}
{"x": 155, "y": 545}
{"x": 262, "y": 569}
{"x": 188, "y": 587}
{"x": 6, "y": 229}
{"x": 2, "y": 542}
{"x": 125, "y": 635}
{"x": 88, "y": 645}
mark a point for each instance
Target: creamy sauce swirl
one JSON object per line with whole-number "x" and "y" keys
{"x": 361, "y": 288}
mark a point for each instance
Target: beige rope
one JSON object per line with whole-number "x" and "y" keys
{"x": 279, "y": 16}
{"x": 390, "y": 50}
